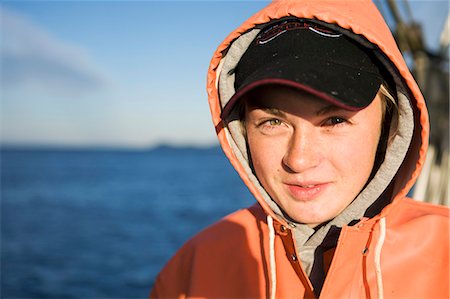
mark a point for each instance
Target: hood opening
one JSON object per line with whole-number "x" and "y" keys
{"x": 390, "y": 177}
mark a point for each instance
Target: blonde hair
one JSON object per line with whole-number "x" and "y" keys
{"x": 389, "y": 123}
{"x": 389, "y": 101}
{"x": 389, "y": 112}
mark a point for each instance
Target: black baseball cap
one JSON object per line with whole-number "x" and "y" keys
{"x": 310, "y": 57}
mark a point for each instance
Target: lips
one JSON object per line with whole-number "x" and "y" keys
{"x": 306, "y": 191}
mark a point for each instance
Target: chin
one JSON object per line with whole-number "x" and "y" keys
{"x": 313, "y": 219}
{"x": 314, "y": 222}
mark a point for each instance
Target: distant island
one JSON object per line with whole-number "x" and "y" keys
{"x": 166, "y": 147}
{"x": 160, "y": 148}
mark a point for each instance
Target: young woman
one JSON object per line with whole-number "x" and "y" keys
{"x": 318, "y": 113}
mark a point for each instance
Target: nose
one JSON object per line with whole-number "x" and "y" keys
{"x": 303, "y": 151}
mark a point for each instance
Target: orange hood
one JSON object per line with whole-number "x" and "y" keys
{"x": 363, "y": 22}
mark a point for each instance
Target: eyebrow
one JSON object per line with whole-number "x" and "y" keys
{"x": 273, "y": 111}
{"x": 325, "y": 110}
{"x": 329, "y": 109}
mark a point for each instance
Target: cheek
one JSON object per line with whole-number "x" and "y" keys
{"x": 259, "y": 153}
{"x": 266, "y": 158}
{"x": 356, "y": 159}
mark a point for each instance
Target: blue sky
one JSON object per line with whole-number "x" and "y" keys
{"x": 122, "y": 73}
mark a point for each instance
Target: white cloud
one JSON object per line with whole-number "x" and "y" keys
{"x": 31, "y": 56}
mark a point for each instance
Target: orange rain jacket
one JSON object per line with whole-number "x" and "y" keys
{"x": 402, "y": 252}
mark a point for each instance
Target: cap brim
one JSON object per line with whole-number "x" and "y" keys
{"x": 284, "y": 82}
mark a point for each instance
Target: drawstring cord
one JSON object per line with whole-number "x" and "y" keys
{"x": 377, "y": 257}
{"x": 272, "y": 265}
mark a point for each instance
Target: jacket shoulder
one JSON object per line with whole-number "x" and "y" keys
{"x": 219, "y": 246}
{"x": 421, "y": 216}
{"x": 413, "y": 208}
{"x": 234, "y": 226}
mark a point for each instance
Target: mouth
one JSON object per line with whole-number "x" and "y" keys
{"x": 306, "y": 191}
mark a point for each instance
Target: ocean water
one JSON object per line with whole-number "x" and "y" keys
{"x": 102, "y": 223}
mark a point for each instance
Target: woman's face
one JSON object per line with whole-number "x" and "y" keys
{"x": 313, "y": 158}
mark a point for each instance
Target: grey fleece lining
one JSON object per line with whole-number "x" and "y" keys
{"x": 306, "y": 238}
{"x": 226, "y": 79}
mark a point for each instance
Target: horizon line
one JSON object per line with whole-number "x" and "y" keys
{"x": 61, "y": 146}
